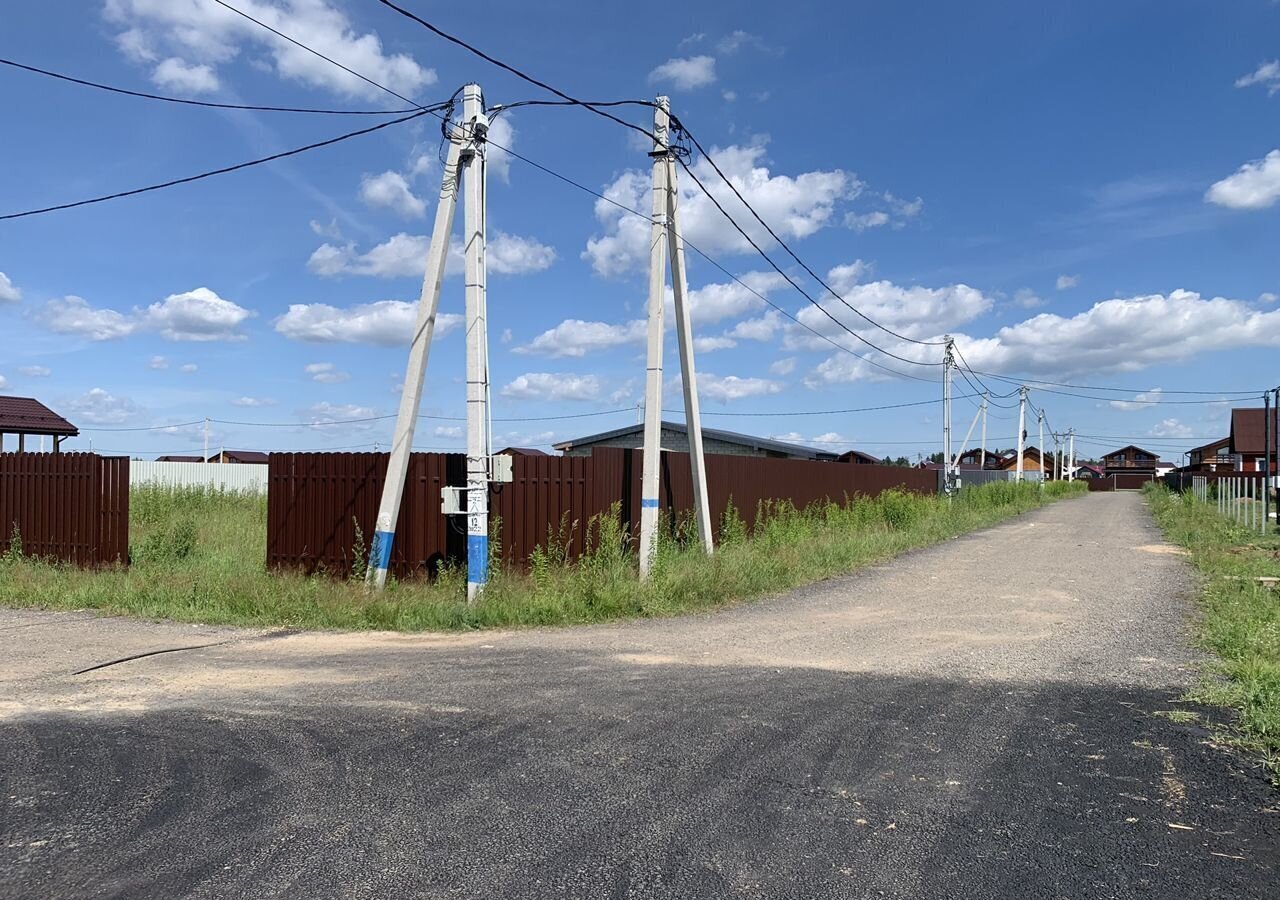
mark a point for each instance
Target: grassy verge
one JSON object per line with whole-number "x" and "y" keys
{"x": 199, "y": 557}
{"x": 1240, "y": 620}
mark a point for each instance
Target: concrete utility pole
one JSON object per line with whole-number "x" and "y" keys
{"x": 206, "y": 438}
{"x": 1040, "y": 445}
{"x": 465, "y": 151}
{"x": 984, "y": 433}
{"x": 1022, "y": 427}
{"x": 1071, "y": 454}
{"x": 948, "y": 361}
{"x": 666, "y": 239}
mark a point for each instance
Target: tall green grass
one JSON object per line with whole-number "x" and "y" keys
{"x": 199, "y": 556}
{"x": 1240, "y": 620}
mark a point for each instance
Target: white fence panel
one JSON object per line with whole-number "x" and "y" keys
{"x": 248, "y": 477}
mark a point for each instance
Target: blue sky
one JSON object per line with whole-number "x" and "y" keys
{"x": 1080, "y": 194}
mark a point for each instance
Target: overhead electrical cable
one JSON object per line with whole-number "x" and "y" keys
{"x": 205, "y": 103}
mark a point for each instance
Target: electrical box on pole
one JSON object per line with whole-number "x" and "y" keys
{"x": 666, "y": 241}
{"x": 463, "y": 166}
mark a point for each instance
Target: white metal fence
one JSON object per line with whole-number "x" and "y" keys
{"x": 248, "y": 477}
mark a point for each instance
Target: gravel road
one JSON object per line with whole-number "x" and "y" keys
{"x": 984, "y": 718}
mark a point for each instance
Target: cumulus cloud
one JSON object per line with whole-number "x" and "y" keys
{"x": 74, "y": 315}
{"x": 865, "y": 221}
{"x": 99, "y": 407}
{"x": 727, "y": 388}
{"x": 685, "y": 73}
{"x": 783, "y": 366}
{"x": 253, "y": 402}
{"x": 796, "y": 206}
{"x": 9, "y": 292}
{"x": 326, "y": 416}
{"x": 179, "y": 75}
{"x": 1267, "y": 74}
{"x": 1255, "y": 185}
{"x": 448, "y": 431}
{"x": 198, "y": 315}
{"x": 35, "y": 371}
{"x": 895, "y": 212}
{"x": 390, "y": 191}
{"x": 715, "y": 302}
{"x": 576, "y": 338}
{"x": 1066, "y": 282}
{"x": 760, "y": 329}
{"x": 1171, "y": 428}
{"x": 713, "y": 343}
{"x": 1027, "y": 298}
{"x": 405, "y": 255}
{"x": 1139, "y": 401}
{"x": 188, "y": 368}
{"x": 553, "y": 386}
{"x": 158, "y": 362}
{"x": 325, "y": 373}
{"x": 201, "y": 36}
{"x": 387, "y": 322}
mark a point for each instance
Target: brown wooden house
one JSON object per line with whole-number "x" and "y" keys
{"x": 1130, "y": 460}
{"x": 1249, "y": 440}
{"x": 1215, "y": 456}
{"x": 28, "y": 417}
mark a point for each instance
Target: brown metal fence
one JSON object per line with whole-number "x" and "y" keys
{"x": 69, "y": 506}
{"x": 1126, "y": 481}
{"x": 316, "y": 500}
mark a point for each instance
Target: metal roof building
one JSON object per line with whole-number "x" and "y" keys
{"x": 28, "y": 416}
{"x": 675, "y": 438}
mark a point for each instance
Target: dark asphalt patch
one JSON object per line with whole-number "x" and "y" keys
{"x": 638, "y": 781}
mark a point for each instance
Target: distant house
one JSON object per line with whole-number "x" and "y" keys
{"x": 1248, "y": 440}
{"x": 859, "y": 458}
{"x": 1130, "y": 460}
{"x": 1032, "y": 461}
{"x": 521, "y": 451}
{"x": 28, "y": 417}
{"x": 1214, "y": 456}
{"x": 173, "y": 458}
{"x": 974, "y": 459}
{"x": 239, "y": 456}
{"x": 675, "y": 438}
{"x": 1088, "y": 470}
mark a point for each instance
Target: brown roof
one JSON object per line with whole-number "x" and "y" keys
{"x": 856, "y": 455}
{"x": 1248, "y": 431}
{"x": 27, "y": 415}
{"x": 240, "y": 456}
{"x": 1129, "y": 447}
{"x": 172, "y": 458}
{"x": 522, "y": 451}
{"x": 1212, "y": 445}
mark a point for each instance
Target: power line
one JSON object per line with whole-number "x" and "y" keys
{"x": 223, "y": 171}
{"x": 1095, "y": 387}
{"x": 205, "y": 103}
{"x": 677, "y": 124}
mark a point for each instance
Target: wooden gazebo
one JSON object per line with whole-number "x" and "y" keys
{"x": 27, "y": 416}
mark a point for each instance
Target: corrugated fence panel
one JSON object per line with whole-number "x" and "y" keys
{"x": 246, "y": 477}
{"x": 68, "y": 506}
{"x": 316, "y": 500}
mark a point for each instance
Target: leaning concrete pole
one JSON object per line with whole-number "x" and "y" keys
{"x": 652, "y": 464}
{"x": 689, "y": 377}
{"x": 415, "y": 372}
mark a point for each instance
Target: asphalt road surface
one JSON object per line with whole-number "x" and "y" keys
{"x": 980, "y": 719}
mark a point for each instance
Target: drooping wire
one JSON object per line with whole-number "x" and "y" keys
{"x": 222, "y": 171}
{"x": 204, "y": 103}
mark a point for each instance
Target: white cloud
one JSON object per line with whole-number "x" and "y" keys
{"x": 795, "y": 206}
{"x": 328, "y": 416}
{"x": 553, "y": 386}
{"x": 198, "y": 315}
{"x": 783, "y": 366}
{"x": 9, "y": 292}
{"x": 712, "y": 344}
{"x": 507, "y": 336}
{"x": 74, "y": 315}
{"x": 35, "y": 371}
{"x": 98, "y": 407}
{"x": 761, "y": 329}
{"x": 158, "y": 362}
{"x": 715, "y": 302}
{"x": 188, "y": 368}
{"x": 1268, "y": 74}
{"x": 448, "y": 431}
{"x": 1125, "y": 335}
{"x": 1171, "y": 428}
{"x": 735, "y": 41}
{"x": 575, "y": 338}
{"x": 325, "y": 373}
{"x": 727, "y": 388}
{"x": 386, "y": 322}
{"x": 685, "y": 73}
{"x": 178, "y": 75}
{"x": 1139, "y": 401}
{"x": 390, "y": 191}
{"x": 1255, "y": 185}
{"x": 1066, "y": 282}
{"x": 1268, "y": 297}
{"x": 501, "y": 138}
{"x": 1027, "y": 298}
{"x": 4, "y": 383}
{"x": 866, "y": 221}
{"x": 729, "y": 96}
{"x": 253, "y": 402}
{"x": 405, "y": 255}
{"x": 203, "y": 34}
